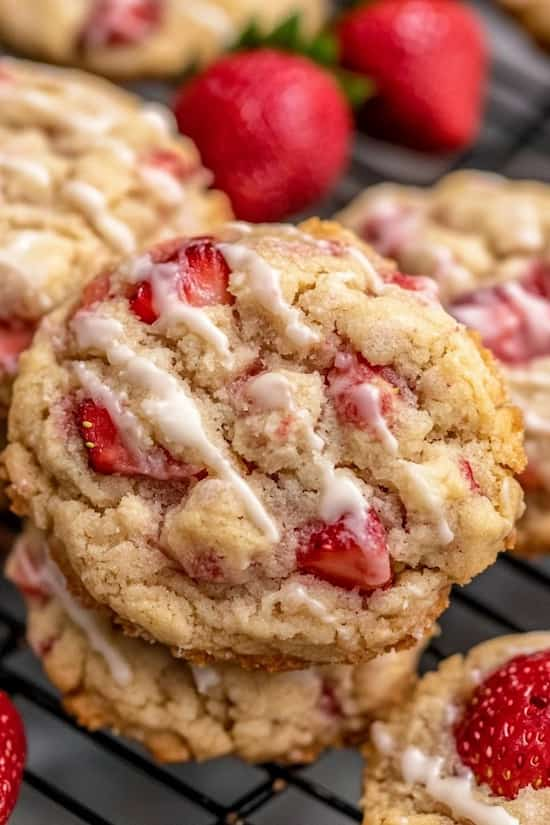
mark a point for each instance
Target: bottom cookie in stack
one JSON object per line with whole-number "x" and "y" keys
{"x": 182, "y": 712}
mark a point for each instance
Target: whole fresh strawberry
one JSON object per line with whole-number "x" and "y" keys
{"x": 13, "y": 751}
{"x": 273, "y": 127}
{"x": 428, "y": 59}
{"x": 504, "y": 734}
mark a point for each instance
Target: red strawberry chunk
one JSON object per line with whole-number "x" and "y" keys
{"x": 13, "y": 753}
{"x": 202, "y": 275}
{"x": 336, "y": 554}
{"x": 364, "y": 395}
{"x": 416, "y": 283}
{"x": 468, "y": 473}
{"x": 512, "y": 318}
{"x": 108, "y": 455}
{"x": 121, "y": 22}
{"x": 96, "y": 291}
{"x": 171, "y": 162}
{"x": 141, "y": 303}
{"x": 14, "y": 339}
{"x": 504, "y": 734}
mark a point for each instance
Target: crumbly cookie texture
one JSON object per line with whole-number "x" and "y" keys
{"x": 180, "y": 711}
{"x": 138, "y": 38}
{"x": 415, "y": 774}
{"x": 265, "y": 446}
{"x": 533, "y": 14}
{"x": 87, "y": 174}
{"x": 486, "y": 241}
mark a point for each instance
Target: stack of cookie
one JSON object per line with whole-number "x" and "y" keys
{"x": 253, "y": 462}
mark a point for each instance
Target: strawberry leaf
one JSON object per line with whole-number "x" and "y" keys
{"x": 322, "y": 49}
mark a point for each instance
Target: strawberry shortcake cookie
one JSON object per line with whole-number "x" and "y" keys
{"x": 471, "y": 746}
{"x": 87, "y": 174}
{"x": 138, "y": 38}
{"x": 181, "y": 711}
{"x": 486, "y": 241}
{"x": 265, "y": 445}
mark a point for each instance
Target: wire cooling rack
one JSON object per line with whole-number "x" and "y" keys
{"x": 74, "y": 777}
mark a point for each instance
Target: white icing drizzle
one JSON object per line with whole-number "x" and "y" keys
{"x": 171, "y": 309}
{"x": 377, "y": 285}
{"x": 94, "y": 205}
{"x": 454, "y": 791}
{"x": 48, "y": 577}
{"x": 395, "y": 224}
{"x": 132, "y": 433}
{"x": 382, "y": 739}
{"x": 169, "y": 408}
{"x": 96, "y": 123}
{"x": 89, "y": 624}
{"x": 341, "y": 497}
{"x": 168, "y": 189}
{"x": 273, "y": 391}
{"x": 262, "y": 280}
{"x": 32, "y": 271}
{"x": 30, "y": 169}
{"x": 159, "y": 117}
{"x": 431, "y": 498}
{"x": 205, "y": 678}
{"x": 367, "y": 399}
{"x": 296, "y": 596}
{"x": 529, "y": 378}
{"x": 212, "y": 17}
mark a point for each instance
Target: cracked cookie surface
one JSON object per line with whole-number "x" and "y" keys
{"x": 265, "y": 446}
{"x": 415, "y": 773}
{"x": 181, "y": 711}
{"x": 88, "y": 174}
{"x": 139, "y": 38}
{"x": 486, "y": 241}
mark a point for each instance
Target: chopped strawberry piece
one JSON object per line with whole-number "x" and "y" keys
{"x": 364, "y": 395}
{"x": 202, "y": 275}
{"x": 415, "y": 283}
{"x": 336, "y": 554}
{"x": 96, "y": 291}
{"x": 512, "y": 318}
{"x": 121, "y": 22}
{"x": 468, "y": 473}
{"x": 504, "y": 733}
{"x": 141, "y": 303}
{"x": 14, "y": 339}
{"x": 171, "y": 162}
{"x": 13, "y": 753}
{"x": 108, "y": 454}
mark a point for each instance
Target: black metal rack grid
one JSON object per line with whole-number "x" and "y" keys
{"x": 74, "y": 777}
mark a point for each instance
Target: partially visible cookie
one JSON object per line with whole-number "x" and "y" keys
{"x": 533, "y": 14}
{"x": 486, "y": 240}
{"x": 179, "y": 711}
{"x": 265, "y": 446}
{"x": 138, "y": 38}
{"x": 87, "y": 173}
{"x": 471, "y": 745}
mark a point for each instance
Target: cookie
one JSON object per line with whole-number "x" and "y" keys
{"x": 486, "y": 241}
{"x": 87, "y": 174}
{"x": 471, "y": 743}
{"x": 138, "y": 38}
{"x": 181, "y": 711}
{"x": 265, "y": 446}
{"x": 533, "y": 14}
